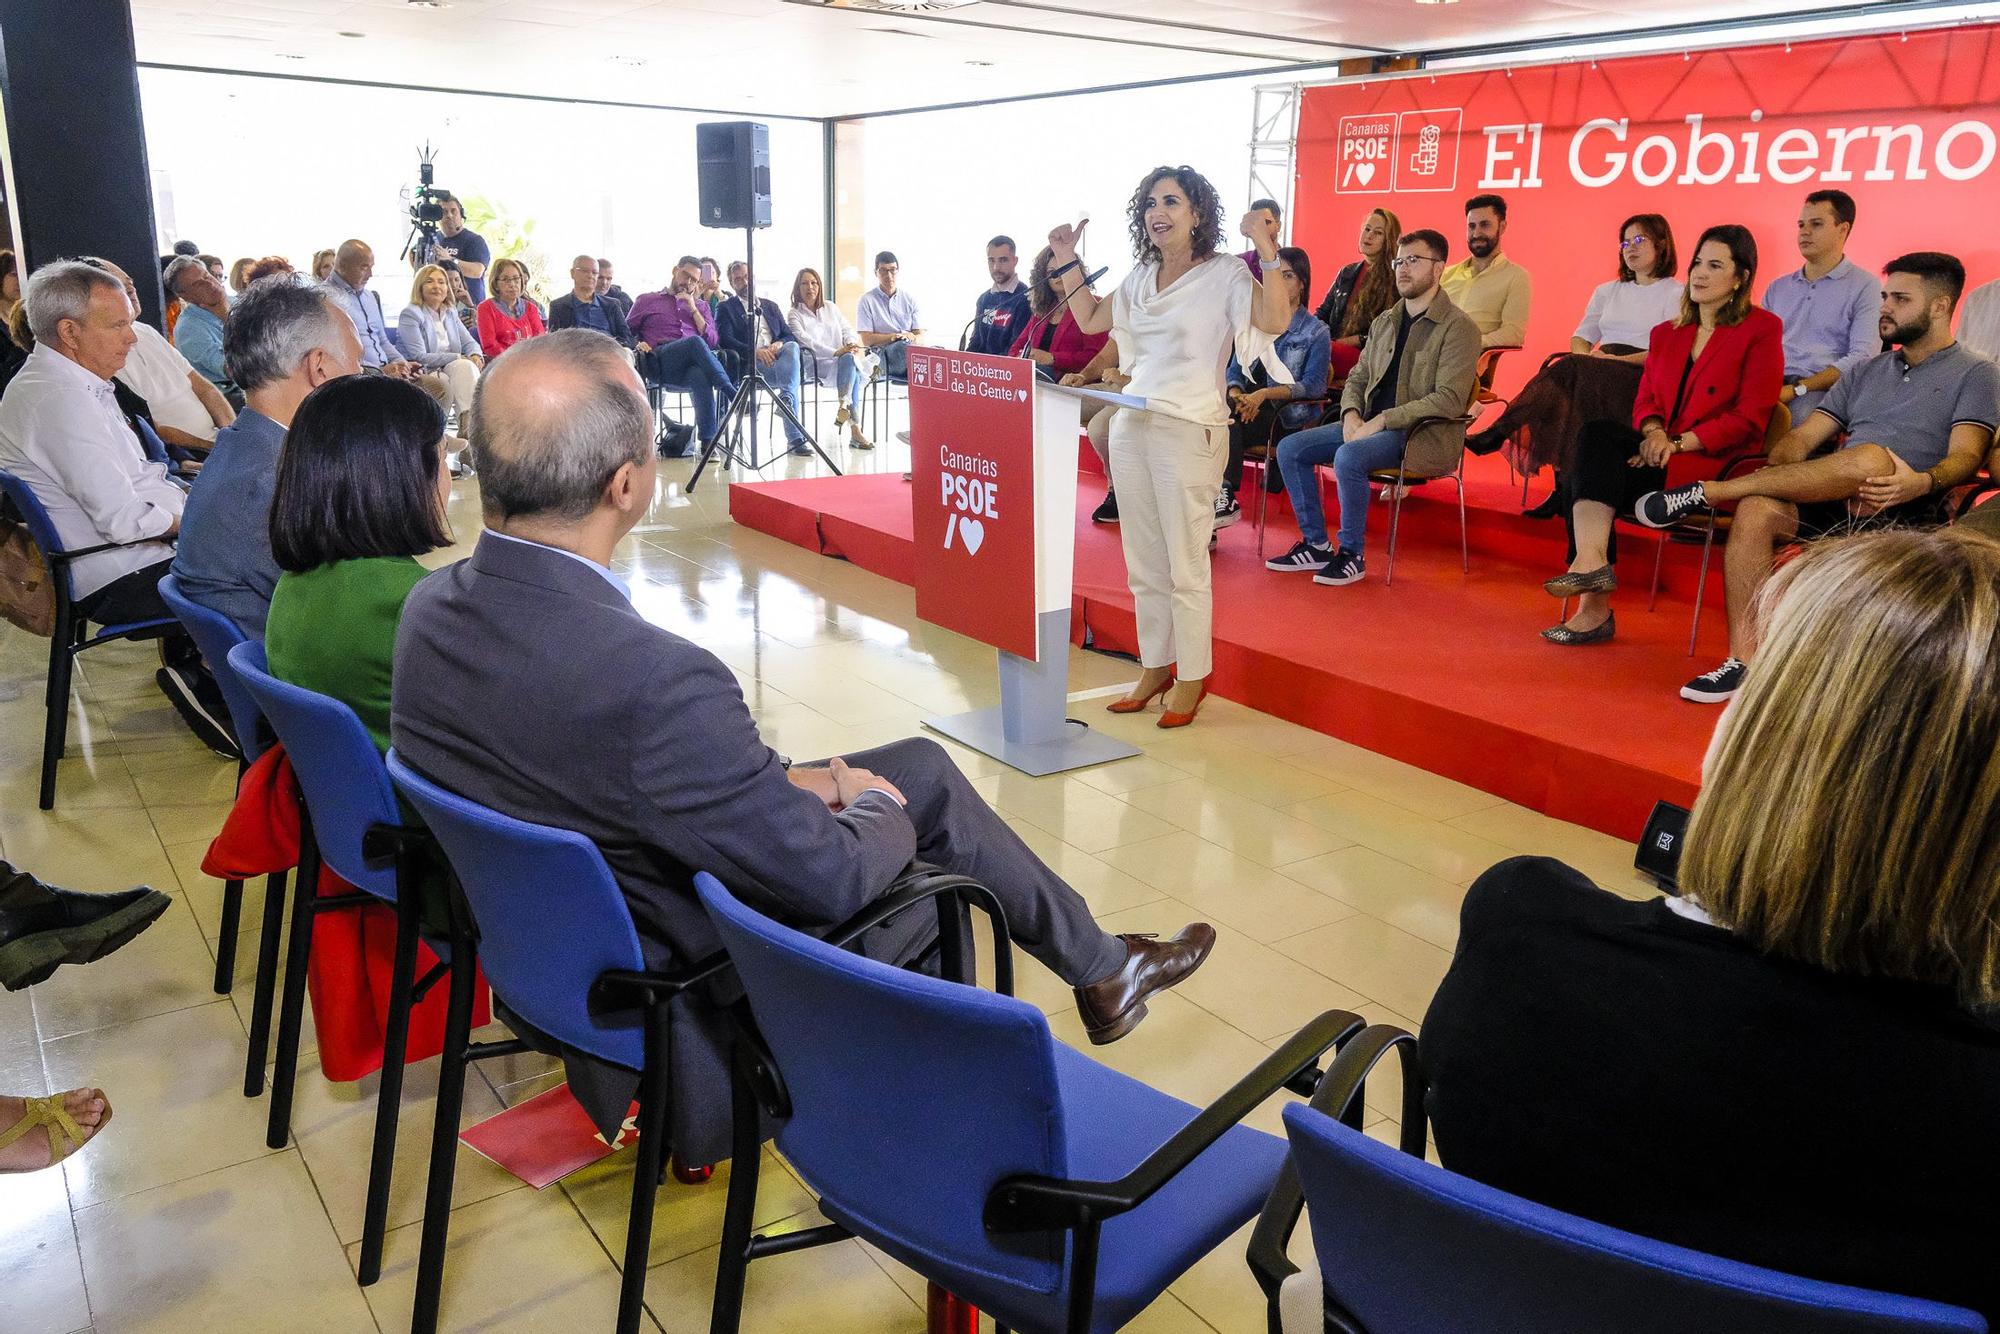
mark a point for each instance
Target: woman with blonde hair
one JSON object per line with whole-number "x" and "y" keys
{"x": 1361, "y": 290}
{"x": 433, "y": 336}
{"x": 1797, "y": 1064}
{"x": 829, "y": 339}
{"x": 322, "y": 265}
{"x": 239, "y": 275}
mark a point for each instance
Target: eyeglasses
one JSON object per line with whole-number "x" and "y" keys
{"x": 1411, "y": 261}
{"x": 1633, "y": 242}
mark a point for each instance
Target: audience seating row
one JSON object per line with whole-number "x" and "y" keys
{"x": 1026, "y": 1179}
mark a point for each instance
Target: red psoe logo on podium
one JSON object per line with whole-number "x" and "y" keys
{"x": 972, "y": 476}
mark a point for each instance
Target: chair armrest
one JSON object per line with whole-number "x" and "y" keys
{"x": 923, "y": 881}
{"x": 1339, "y": 1096}
{"x": 1960, "y": 499}
{"x": 65, "y": 557}
{"x": 1031, "y": 1203}
{"x": 621, "y": 988}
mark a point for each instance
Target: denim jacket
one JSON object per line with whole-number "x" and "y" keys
{"x": 1306, "y": 349}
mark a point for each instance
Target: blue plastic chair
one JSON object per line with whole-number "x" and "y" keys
{"x": 1020, "y": 1175}
{"x": 72, "y": 632}
{"x": 349, "y": 821}
{"x": 579, "y": 986}
{"x": 1406, "y": 1247}
{"x": 215, "y": 635}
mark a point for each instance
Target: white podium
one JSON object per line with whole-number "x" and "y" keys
{"x": 1032, "y": 730}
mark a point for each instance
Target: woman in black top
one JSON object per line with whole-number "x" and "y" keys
{"x": 1797, "y": 1065}
{"x": 1361, "y": 290}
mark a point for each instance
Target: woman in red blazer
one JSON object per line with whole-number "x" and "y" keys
{"x": 509, "y": 315}
{"x": 1708, "y": 389}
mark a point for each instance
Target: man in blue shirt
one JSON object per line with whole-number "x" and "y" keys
{"x": 347, "y": 285}
{"x": 458, "y": 246}
{"x": 1829, "y": 307}
{"x": 285, "y": 340}
{"x": 583, "y": 308}
{"x": 1003, "y": 308}
{"x": 204, "y": 310}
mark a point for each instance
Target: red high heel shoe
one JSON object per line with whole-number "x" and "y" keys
{"x": 1136, "y": 705}
{"x": 1169, "y": 718}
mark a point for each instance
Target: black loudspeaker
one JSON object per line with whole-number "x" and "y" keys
{"x": 733, "y": 158}
{"x": 1659, "y": 856}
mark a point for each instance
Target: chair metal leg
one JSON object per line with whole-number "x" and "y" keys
{"x": 1082, "y": 1277}
{"x": 1701, "y": 585}
{"x": 1395, "y": 523}
{"x": 444, "y": 1139}
{"x": 1659, "y": 558}
{"x": 646, "y": 1171}
{"x": 55, "y": 731}
{"x": 225, "y": 948}
{"x": 1464, "y": 541}
{"x": 389, "y": 1094}
{"x": 265, "y": 984}
{"x": 291, "y": 1007}
{"x": 739, "y": 1214}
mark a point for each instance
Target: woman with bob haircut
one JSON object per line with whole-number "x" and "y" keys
{"x": 361, "y": 493}
{"x": 1176, "y": 318}
{"x": 829, "y": 339}
{"x": 1796, "y": 1064}
{"x": 1707, "y": 385}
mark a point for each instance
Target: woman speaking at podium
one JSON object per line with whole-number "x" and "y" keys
{"x": 1176, "y": 318}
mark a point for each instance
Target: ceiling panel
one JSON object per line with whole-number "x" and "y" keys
{"x": 797, "y": 57}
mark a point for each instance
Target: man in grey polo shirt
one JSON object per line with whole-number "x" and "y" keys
{"x": 1918, "y": 421}
{"x": 285, "y": 340}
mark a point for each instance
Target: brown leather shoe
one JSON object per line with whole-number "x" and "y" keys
{"x": 1113, "y": 1007}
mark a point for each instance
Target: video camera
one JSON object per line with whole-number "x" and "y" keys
{"x": 426, "y": 210}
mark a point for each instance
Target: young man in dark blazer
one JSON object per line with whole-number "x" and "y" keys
{"x": 527, "y": 681}
{"x": 776, "y": 351}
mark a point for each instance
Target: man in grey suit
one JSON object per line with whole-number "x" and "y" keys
{"x": 527, "y": 682}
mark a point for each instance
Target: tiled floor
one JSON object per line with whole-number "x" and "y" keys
{"x": 1333, "y": 877}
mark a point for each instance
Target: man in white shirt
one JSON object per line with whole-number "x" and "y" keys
{"x": 1979, "y": 320}
{"x": 187, "y": 410}
{"x": 887, "y": 318}
{"x": 62, "y": 434}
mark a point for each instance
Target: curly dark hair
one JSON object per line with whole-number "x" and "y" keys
{"x": 1201, "y": 197}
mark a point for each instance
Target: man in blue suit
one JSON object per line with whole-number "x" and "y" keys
{"x": 772, "y": 345}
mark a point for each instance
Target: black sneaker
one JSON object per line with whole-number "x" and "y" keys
{"x": 1346, "y": 567}
{"x": 1227, "y": 511}
{"x": 1717, "y": 686}
{"x": 203, "y": 716}
{"x": 1664, "y": 509}
{"x": 1303, "y": 558}
{"x": 1107, "y": 509}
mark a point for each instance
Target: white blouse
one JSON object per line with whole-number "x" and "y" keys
{"x": 821, "y": 333}
{"x": 1626, "y": 313}
{"x": 1176, "y": 344}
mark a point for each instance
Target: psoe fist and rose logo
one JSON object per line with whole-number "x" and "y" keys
{"x": 1409, "y": 151}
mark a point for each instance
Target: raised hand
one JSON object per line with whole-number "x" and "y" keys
{"x": 1065, "y": 239}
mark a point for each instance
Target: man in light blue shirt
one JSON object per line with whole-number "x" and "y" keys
{"x": 204, "y": 308}
{"x": 1829, "y": 307}
{"x": 353, "y": 266}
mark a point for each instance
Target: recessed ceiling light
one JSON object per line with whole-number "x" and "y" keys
{"x": 354, "y": 34}
{"x": 982, "y": 64}
{"x": 430, "y": 4}
{"x": 288, "y": 55}
{"x": 634, "y": 61}
{"x": 1437, "y": 2}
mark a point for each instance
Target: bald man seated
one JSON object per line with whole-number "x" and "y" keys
{"x": 526, "y": 681}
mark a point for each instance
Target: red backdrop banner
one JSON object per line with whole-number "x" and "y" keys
{"x": 972, "y": 475}
{"x": 1910, "y": 126}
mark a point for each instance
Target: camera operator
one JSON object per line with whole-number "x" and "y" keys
{"x": 458, "y": 246}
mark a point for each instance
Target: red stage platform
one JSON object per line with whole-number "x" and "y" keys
{"x": 1446, "y": 670}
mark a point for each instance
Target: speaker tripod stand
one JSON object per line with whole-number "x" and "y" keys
{"x": 727, "y": 440}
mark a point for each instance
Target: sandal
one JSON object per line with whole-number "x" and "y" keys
{"x": 65, "y": 1136}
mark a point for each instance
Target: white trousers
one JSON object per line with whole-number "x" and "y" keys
{"x": 1167, "y": 473}
{"x": 461, "y": 377}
